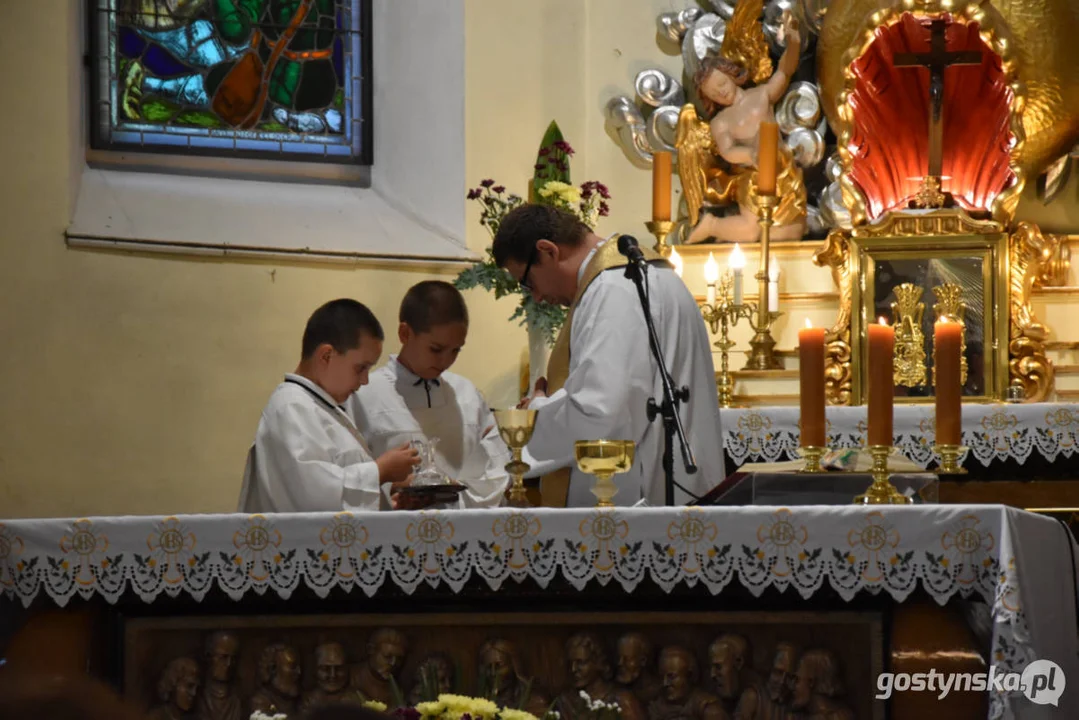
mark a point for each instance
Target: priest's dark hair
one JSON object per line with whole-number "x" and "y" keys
{"x": 432, "y": 303}
{"x": 526, "y": 225}
{"x": 341, "y": 323}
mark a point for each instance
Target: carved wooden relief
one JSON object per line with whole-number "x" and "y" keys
{"x": 656, "y": 666}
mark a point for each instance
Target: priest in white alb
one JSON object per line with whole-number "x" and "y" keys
{"x": 602, "y": 373}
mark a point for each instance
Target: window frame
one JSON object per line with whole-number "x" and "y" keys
{"x": 107, "y": 152}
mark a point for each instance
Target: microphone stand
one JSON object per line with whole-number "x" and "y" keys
{"x": 668, "y": 409}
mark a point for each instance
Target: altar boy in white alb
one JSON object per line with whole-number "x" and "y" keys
{"x": 308, "y": 455}
{"x": 601, "y": 373}
{"x": 414, "y": 397}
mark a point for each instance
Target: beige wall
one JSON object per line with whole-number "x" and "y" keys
{"x": 132, "y": 384}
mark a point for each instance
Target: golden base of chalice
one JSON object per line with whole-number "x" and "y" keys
{"x": 516, "y": 426}
{"x": 604, "y": 459}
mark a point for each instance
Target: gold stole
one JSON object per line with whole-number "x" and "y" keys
{"x": 554, "y": 486}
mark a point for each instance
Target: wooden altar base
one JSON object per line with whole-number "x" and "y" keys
{"x": 917, "y": 635}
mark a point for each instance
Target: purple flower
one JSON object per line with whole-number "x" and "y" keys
{"x": 586, "y": 192}
{"x": 498, "y": 189}
{"x": 474, "y": 193}
{"x": 544, "y": 151}
{"x": 540, "y": 166}
{"x": 563, "y": 146}
{"x": 604, "y": 211}
{"x": 487, "y": 183}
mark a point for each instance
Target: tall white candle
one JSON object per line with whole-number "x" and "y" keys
{"x": 711, "y": 276}
{"x": 737, "y": 262}
{"x": 773, "y": 285}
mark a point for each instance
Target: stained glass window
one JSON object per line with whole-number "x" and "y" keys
{"x": 284, "y": 79}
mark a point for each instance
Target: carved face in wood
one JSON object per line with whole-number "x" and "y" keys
{"x": 583, "y": 666}
{"x": 221, "y": 656}
{"x": 782, "y": 678}
{"x": 817, "y": 674}
{"x": 179, "y": 684}
{"x": 331, "y": 672}
{"x": 387, "y": 658}
{"x": 632, "y": 658}
{"x": 498, "y": 668}
{"x": 727, "y": 656}
{"x": 678, "y": 671}
{"x": 286, "y": 677}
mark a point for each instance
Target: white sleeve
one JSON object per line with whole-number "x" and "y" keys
{"x": 305, "y": 470}
{"x": 489, "y": 490}
{"x": 610, "y": 377}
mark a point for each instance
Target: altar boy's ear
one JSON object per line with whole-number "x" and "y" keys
{"x": 404, "y": 332}
{"x": 323, "y": 353}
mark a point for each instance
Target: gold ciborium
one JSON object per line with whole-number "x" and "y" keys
{"x": 515, "y": 427}
{"x": 604, "y": 458}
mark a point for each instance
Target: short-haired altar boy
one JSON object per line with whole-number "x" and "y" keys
{"x": 308, "y": 454}
{"x": 414, "y": 397}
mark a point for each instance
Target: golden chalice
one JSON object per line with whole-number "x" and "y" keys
{"x": 604, "y": 458}
{"x": 515, "y": 427}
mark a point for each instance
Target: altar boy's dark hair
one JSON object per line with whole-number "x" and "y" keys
{"x": 526, "y": 225}
{"x": 341, "y": 323}
{"x": 431, "y": 303}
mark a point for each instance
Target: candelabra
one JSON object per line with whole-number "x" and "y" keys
{"x": 660, "y": 229}
{"x": 762, "y": 347}
{"x": 721, "y": 314}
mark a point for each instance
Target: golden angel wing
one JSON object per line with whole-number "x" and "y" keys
{"x": 695, "y": 157}
{"x": 744, "y": 41}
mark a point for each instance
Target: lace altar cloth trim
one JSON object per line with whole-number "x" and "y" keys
{"x": 1018, "y": 563}
{"x": 990, "y": 432}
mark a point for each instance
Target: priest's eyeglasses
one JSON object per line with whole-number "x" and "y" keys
{"x": 523, "y": 282}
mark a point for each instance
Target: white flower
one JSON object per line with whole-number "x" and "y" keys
{"x": 584, "y": 696}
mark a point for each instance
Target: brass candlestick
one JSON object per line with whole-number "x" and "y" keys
{"x": 661, "y": 229}
{"x": 812, "y": 455}
{"x": 720, "y": 316}
{"x": 881, "y": 492}
{"x": 515, "y": 427}
{"x": 604, "y": 458}
{"x": 949, "y": 459}
{"x": 762, "y": 347}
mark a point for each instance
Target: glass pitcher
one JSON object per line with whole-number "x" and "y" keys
{"x": 427, "y": 472}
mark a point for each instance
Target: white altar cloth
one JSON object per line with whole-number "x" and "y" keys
{"x": 1021, "y": 564}
{"x": 992, "y": 432}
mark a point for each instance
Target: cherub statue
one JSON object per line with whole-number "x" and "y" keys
{"x": 717, "y": 159}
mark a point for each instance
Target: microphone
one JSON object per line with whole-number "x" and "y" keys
{"x": 627, "y": 245}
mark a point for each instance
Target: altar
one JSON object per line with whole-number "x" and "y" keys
{"x": 1026, "y": 439}
{"x": 864, "y": 591}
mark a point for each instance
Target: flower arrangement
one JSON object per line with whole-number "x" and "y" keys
{"x": 550, "y": 186}
{"x": 369, "y": 704}
{"x": 600, "y": 709}
{"x": 462, "y": 707}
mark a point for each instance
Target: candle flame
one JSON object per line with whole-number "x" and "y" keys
{"x": 737, "y": 260}
{"x": 676, "y": 260}
{"x": 809, "y": 325}
{"x": 945, "y": 319}
{"x": 882, "y": 321}
{"x": 711, "y": 270}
